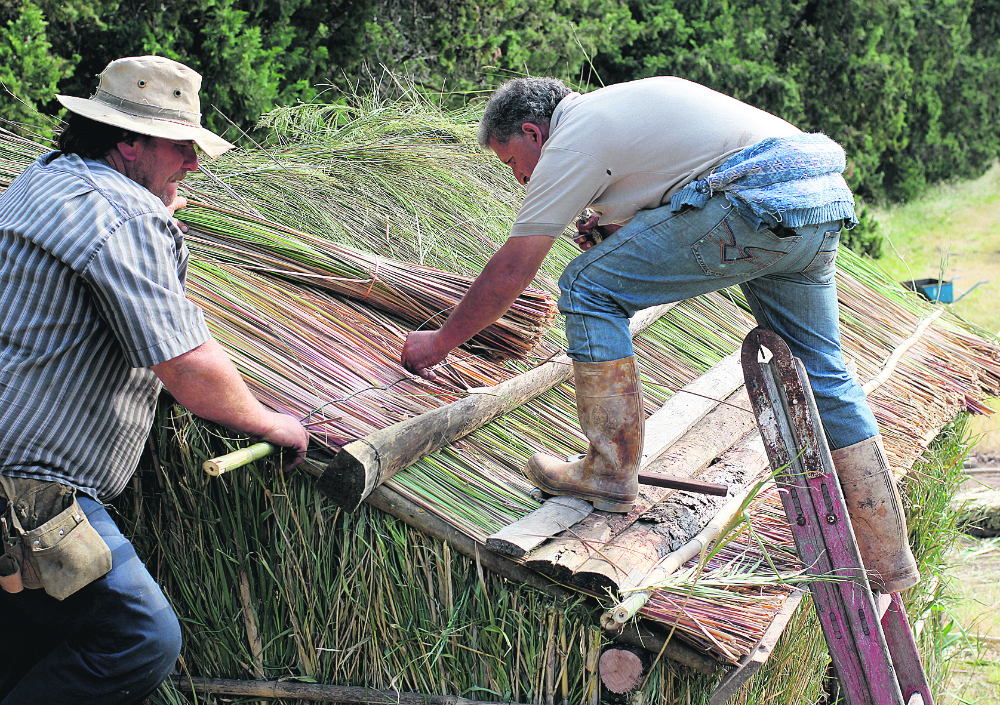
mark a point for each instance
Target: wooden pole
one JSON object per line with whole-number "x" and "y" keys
{"x": 315, "y": 692}
{"x": 656, "y": 642}
{"x": 622, "y": 668}
{"x": 365, "y": 464}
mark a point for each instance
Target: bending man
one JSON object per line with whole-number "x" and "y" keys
{"x": 693, "y": 191}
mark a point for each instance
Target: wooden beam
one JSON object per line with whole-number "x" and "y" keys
{"x": 622, "y": 668}
{"x": 365, "y": 464}
{"x": 313, "y": 692}
{"x": 689, "y": 406}
{"x": 655, "y": 640}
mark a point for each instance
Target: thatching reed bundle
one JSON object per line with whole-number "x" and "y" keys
{"x": 421, "y": 296}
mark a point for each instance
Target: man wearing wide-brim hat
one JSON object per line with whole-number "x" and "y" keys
{"x": 95, "y": 322}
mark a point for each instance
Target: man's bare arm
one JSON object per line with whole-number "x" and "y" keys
{"x": 503, "y": 279}
{"x": 206, "y": 382}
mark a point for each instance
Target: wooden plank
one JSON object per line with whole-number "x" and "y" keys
{"x": 555, "y": 515}
{"x": 751, "y": 663}
{"x": 366, "y": 463}
{"x": 689, "y": 406}
{"x": 312, "y": 692}
{"x": 635, "y": 552}
{"x": 704, "y": 442}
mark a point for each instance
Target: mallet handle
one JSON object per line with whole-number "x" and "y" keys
{"x": 238, "y": 458}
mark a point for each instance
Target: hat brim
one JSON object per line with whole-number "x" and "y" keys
{"x": 209, "y": 142}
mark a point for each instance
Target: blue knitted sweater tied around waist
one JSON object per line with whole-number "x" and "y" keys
{"x": 788, "y": 181}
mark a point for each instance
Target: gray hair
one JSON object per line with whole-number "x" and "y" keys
{"x": 517, "y": 102}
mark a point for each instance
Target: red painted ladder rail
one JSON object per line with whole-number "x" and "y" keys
{"x": 868, "y": 635}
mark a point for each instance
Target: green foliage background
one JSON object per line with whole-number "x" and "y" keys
{"x": 909, "y": 88}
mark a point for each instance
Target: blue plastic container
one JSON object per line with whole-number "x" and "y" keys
{"x": 933, "y": 289}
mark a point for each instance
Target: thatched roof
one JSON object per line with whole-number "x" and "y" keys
{"x": 403, "y": 183}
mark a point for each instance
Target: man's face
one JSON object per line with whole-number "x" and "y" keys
{"x": 159, "y": 161}
{"x": 522, "y": 151}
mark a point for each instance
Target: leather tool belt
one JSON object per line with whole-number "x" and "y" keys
{"x": 47, "y": 540}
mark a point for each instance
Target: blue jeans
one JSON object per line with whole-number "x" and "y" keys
{"x": 662, "y": 256}
{"x": 112, "y": 642}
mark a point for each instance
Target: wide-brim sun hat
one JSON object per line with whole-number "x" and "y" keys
{"x": 153, "y": 96}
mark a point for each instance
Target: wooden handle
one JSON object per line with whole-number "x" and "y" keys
{"x": 683, "y": 483}
{"x": 238, "y": 458}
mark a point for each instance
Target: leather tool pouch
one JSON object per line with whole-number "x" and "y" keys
{"x": 62, "y": 552}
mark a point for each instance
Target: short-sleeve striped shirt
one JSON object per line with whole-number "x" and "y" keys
{"x": 92, "y": 272}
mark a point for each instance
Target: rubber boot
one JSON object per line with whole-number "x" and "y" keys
{"x": 609, "y": 406}
{"x": 877, "y": 515}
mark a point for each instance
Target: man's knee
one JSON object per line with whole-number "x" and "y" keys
{"x": 157, "y": 652}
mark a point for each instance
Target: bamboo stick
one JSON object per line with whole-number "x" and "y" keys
{"x": 315, "y": 692}
{"x": 237, "y": 459}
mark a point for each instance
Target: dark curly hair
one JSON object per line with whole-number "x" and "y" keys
{"x": 517, "y": 102}
{"x": 91, "y": 139}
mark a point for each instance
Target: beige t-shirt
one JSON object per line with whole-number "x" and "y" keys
{"x": 631, "y": 146}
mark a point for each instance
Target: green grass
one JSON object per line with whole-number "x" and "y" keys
{"x": 952, "y": 232}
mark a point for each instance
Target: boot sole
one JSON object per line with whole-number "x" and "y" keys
{"x": 603, "y": 505}
{"x": 601, "y": 502}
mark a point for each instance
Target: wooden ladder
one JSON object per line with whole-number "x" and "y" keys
{"x": 867, "y": 633}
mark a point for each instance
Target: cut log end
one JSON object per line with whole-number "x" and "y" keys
{"x": 344, "y": 482}
{"x": 621, "y": 670}
{"x": 556, "y": 515}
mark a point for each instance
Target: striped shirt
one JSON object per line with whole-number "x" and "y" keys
{"x": 92, "y": 274}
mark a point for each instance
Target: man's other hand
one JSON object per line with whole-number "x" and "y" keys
{"x": 589, "y": 233}
{"x": 291, "y": 435}
{"x": 174, "y": 203}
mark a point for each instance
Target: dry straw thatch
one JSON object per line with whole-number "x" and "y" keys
{"x": 271, "y": 582}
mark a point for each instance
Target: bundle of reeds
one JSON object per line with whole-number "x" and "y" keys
{"x": 323, "y": 358}
{"x": 17, "y": 152}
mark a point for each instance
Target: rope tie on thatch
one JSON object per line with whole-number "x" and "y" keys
{"x": 374, "y": 277}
